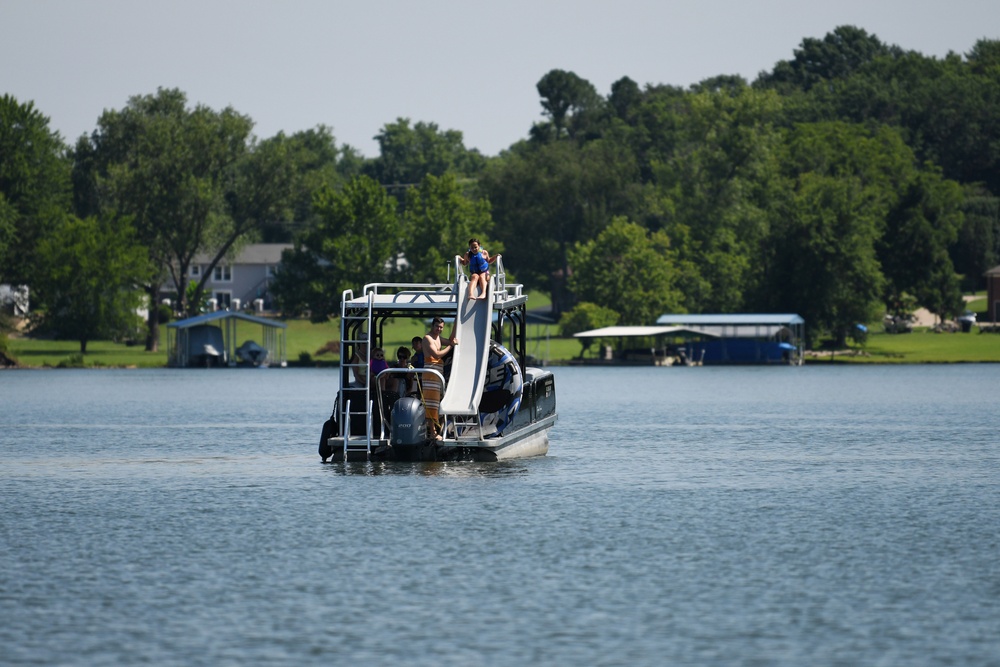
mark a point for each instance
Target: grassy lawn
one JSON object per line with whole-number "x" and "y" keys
{"x": 41, "y": 353}
{"x": 978, "y": 306}
{"x": 543, "y": 342}
{"x": 306, "y": 338}
{"x": 924, "y": 346}
{"x": 302, "y": 338}
{"x": 305, "y": 343}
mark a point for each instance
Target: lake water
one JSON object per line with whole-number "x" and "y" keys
{"x": 684, "y": 516}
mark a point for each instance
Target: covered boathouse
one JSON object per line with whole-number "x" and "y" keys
{"x": 665, "y": 346}
{"x": 743, "y": 338}
{"x": 210, "y": 340}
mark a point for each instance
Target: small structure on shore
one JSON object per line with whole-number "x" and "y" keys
{"x": 663, "y": 345}
{"x": 210, "y": 340}
{"x": 744, "y": 338}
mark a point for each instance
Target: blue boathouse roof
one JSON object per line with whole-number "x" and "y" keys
{"x": 731, "y": 319}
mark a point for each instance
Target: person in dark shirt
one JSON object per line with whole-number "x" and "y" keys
{"x": 417, "y": 360}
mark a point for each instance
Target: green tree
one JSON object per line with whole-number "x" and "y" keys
{"x": 8, "y": 218}
{"x": 920, "y": 228}
{"x": 89, "y": 285}
{"x": 625, "y": 99}
{"x": 845, "y": 180}
{"x": 585, "y": 317}
{"x": 720, "y": 190}
{"x": 8, "y": 223}
{"x": 570, "y": 102}
{"x": 723, "y": 83}
{"x": 407, "y": 154}
{"x": 656, "y": 125}
{"x": 547, "y": 198}
{"x": 943, "y": 108}
{"x": 950, "y": 118}
{"x": 169, "y": 168}
{"x": 977, "y": 249}
{"x": 838, "y": 55}
{"x": 357, "y": 241}
{"x": 628, "y": 270}
{"x": 302, "y": 164}
{"x": 984, "y": 58}
{"x": 826, "y": 266}
{"x": 438, "y": 221}
{"x": 34, "y": 187}
{"x": 259, "y": 190}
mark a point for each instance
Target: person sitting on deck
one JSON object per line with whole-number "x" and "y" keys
{"x": 403, "y": 385}
{"x": 377, "y": 365}
{"x": 417, "y": 360}
{"x": 358, "y": 369}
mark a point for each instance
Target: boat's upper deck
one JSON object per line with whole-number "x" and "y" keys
{"x": 419, "y": 299}
{"x": 363, "y": 316}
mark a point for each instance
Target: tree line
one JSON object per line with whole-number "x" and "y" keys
{"x": 852, "y": 179}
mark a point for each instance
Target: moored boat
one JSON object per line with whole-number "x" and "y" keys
{"x": 492, "y": 405}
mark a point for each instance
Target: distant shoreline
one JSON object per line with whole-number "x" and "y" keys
{"x": 840, "y": 358}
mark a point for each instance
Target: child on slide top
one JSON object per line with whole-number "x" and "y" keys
{"x": 478, "y": 260}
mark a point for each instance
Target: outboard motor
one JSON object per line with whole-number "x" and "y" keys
{"x": 409, "y": 423}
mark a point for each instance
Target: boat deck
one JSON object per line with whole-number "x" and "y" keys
{"x": 417, "y": 300}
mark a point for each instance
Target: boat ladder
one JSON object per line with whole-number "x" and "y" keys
{"x": 463, "y": 428}
{"x": 355, "y": 331}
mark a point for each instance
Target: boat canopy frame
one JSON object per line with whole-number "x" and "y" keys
{"x": 424, "y": 301}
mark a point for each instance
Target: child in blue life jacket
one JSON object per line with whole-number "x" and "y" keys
{"x": 478, "y": 261}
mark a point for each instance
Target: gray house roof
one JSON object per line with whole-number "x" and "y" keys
{"x": 255, "y": 253}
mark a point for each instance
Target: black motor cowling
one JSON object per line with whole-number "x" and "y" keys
{"x": 409, "y": 423}
{"x": 329, "y": 430}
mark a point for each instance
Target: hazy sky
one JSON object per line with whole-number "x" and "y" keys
{"x": 468, "y": 65}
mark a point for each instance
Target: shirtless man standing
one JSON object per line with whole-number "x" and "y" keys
{"x": 434, "y": 354}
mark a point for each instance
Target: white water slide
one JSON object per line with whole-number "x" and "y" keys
{"x": 469, "y": 365}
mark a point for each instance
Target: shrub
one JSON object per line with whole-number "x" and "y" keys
{"x": 73, "y": 361}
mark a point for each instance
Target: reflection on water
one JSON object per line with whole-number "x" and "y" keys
{"x": 683, "y": 516}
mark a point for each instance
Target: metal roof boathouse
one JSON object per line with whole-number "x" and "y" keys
{"x": 745, "y": 338}
{"x": 210, "y": 340}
